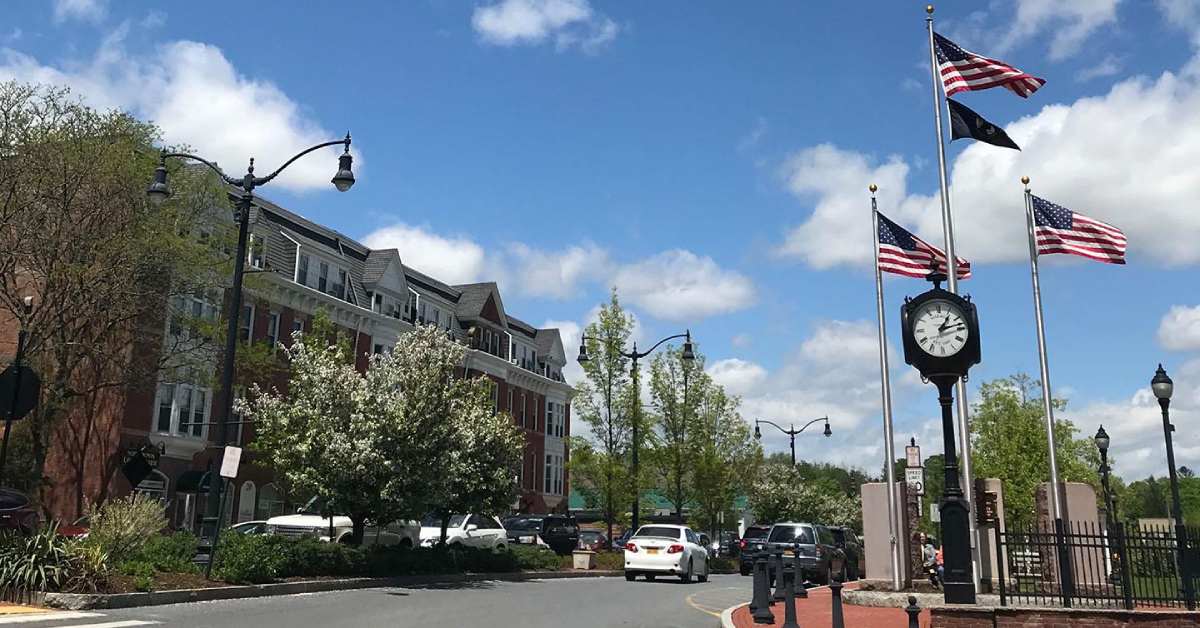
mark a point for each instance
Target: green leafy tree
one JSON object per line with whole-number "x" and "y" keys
{"x": 676, "y": 386}
{"x": 604, "y": 403}
{"x": 1008, "y": 441}
{"x": 779, "y": 494}
{"x": 726, "y": 456}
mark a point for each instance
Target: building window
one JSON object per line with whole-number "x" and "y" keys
{"x": 523, "y": 406}
{"x": 323, "y": 277}
{"x": 554, "y": 420}
{"x": 183, "y": 409}
{"x": 273, "y": 328}
{"x": 246, "y": 323}
{"x": 339, "y": 289}
{"x": 437, "y": 317}
{"x": 297, "y": 324}
{"x": 511, "y": 392}
{"x": 377, "y": 303}
{"x": 552, "y": 483}
{"x": 166, "y": 403}
{"x": 270, "y": 502}
{"x": 302, "y": 270}
{"x": 254, "y": 256}
{"x": 495, "y": 396}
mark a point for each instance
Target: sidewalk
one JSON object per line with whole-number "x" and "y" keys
{"x": 13, "y": 609}
{"x": 815, "y": 612}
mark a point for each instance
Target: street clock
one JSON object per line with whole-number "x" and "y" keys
{"x": 941, "y": 333}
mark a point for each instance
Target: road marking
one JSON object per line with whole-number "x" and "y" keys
{"x": 702, "y": 609}
{"x": 42, "y": 617}
{"x": 114, "y": 624}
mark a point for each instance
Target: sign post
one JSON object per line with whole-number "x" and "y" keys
{"x": 230, "y": 462}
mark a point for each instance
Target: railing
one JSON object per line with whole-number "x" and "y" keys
{"x": 1083, "y": 565}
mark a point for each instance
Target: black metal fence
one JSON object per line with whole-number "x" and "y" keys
{"x": 1084, "y": 565}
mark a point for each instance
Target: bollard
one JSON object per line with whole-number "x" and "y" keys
{"x": 789, "y": 599}
{"x": 914, "y": 612}
{"x": 762, "y": 593}
{"x": 801, "y": 590}
{"x": 780, "y": 593}
{"x": 755, "y": 584}
{"x": 835, "y": 587}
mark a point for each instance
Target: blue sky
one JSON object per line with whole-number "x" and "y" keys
{"x": 712, "y": 162}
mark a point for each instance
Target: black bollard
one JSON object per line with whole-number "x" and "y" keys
{"x": 801, "y": 590}
{"x": 835, "y": 587}
{"x": 914, "y": 612}
{"x": 762, "y": 593}
{"x": 789, "y": 600}
{"x": 780, "y": 594}
{"x": 755, "y": 584}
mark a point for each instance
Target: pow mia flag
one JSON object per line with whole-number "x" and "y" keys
{"x": 967, "y": 123}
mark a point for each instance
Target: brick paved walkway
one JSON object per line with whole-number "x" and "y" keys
{"x": 814, "y": 612}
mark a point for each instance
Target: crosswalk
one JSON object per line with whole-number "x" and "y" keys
{"x": 70, "y": 619}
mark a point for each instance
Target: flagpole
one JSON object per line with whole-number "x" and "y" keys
{"x": 1047, "y": 403}
{"x": 889, "y": 444}
{"x": 964, "y": 437}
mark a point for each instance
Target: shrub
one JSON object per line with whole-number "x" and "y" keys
{"x": 145, "y": 584}
{"x": 136, "y": 568}
{"x": 398, "y": 561}
{"x": 171, "y": 553}
{"x": 122, "y": 527}
{"x": 46, "y": 561}
{"x": 311, "y": 557}
{"x": 722, "y": 565}
{"x": 532, "y": 557}
{"x": 610, "y": 560}
{"x": 249, "y": 558}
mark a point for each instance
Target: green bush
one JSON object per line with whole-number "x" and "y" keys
{"x": 311, "y": 557}
{"x": 722, "y": 565}
{"x": 614, "y": 561}
{"x": 535, "y": 558}
{"x": 250, "y": 558}
{"x": 171, "y": 553}
{"x": 136, "y": 568}
{"x": 145, "y": 584}
{"x": 122, "y": 527}
{"x": 46, "y": 561}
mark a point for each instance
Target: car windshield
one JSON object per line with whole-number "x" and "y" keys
{"x": 434, "y": 520}
{"x": 755, "y": 533}
{"x": 791, "y": 534}
{"x": 659, "y": 531}
{"x": 524, "y": 523}
{"x": 590, "y": 536}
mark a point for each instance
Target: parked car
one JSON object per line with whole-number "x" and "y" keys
{"x": 708, "y": 545}
{"x": 17, "y": 511}
{"x": 310, "y": 520}
{"x": 559, "y": 532}
{"x": 622, "y": 540}
{"x": 666, "y": 550}
{"x": 846, "y": 540}
{"x": 251, "y": 527}
{"x": 592, "y": 540}
{"x": 750, "y": 544}
{"x": 814, "y": 543}
{"x": 727, "y": 545}
{"x": 482, "y": 531}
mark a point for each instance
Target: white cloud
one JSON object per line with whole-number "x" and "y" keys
{"x": 453, "y": 260}
{"x": 739, "y": 377}
{"x": 555, "y": 274}
{"x": 196, "y": 96}
{"x": 1078, "y": 155}
{"x": 1074, "y": 21}
{"x": 85, "y": 10}
{"x": 741, "y": 341}
{"x": 1108, "y": 66}
{"x": 678, "y": 285}
{"x": 567, "y": 22}
{"x": 1183, "y": 14}
{"x": 1179, "y": 329}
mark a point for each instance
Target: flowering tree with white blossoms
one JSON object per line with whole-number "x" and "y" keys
{"x": 379, "y": 445}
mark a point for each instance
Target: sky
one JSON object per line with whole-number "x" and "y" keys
{"x": 711, "y": 162}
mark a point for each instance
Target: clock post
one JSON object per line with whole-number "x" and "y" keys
{"x": 940, "y": 330}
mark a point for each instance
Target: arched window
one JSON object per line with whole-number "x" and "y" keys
{"x": 155, "y": 485}
{"x": 246, "y": 502}
{"x": 270, "y": 502}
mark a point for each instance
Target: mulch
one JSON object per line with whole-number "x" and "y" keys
{"x": 816, "y": 612}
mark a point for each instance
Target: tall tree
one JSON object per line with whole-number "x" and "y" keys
{"x": 779, "y": 494}
{"x": 1008, "y": 441}
{"x": 603, "y": 402}
{"x": 100, "y": 262}
{"x": 726, "y": 456}
{"x": 676, "y": 386}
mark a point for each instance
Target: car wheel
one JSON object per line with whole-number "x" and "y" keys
{"x": 629, "y": 577}
{"x": 686, "y": 576}
{"x": 704, "y": 576}
{"x": 500, "y": 547}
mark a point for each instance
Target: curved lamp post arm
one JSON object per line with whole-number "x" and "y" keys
{"x": 262, "y": 180}
{"x": 817, "y": 420}
{"x": 638, "y": 355}
{"x": 162, "y": 161}
{"x": 772, "y": 424}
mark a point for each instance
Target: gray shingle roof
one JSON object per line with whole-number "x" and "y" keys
{"x": 377, "y": 264}
{"x": 474, "y": 297}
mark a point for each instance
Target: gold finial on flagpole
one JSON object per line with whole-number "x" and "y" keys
{"x": 929, "y": 9}
{"x": 873, "y": 187}
{"x": 1025, "y": 180}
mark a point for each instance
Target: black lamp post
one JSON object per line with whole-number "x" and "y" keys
{"x": 1102, "y": 442}
{"x": 158, "y": 192}
{"x": 688, "y": 355}
{"x": 792, "y": 432}
{"x": 1162, "y": 386}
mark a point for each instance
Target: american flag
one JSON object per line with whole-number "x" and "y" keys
{"x": 905, "y": 254}
{"x": 1060, "y": 230}
{"x": 963, "y": 70}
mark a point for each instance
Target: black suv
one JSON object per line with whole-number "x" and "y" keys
{"x": 560, "y": 532}
{"x": 750, "y": 545}
{"x": 846, "y": 540}
{"x": 815, "y": 544}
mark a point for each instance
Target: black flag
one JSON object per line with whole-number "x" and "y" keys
{"x": 967, "y": 123}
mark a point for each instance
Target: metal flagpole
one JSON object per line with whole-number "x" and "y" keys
{"x": 964, "y": 436}
{"x": 1047, "y": 404}
{"x": 889, "y": 445}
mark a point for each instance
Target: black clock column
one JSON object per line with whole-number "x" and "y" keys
{"x": 956, "y": 536}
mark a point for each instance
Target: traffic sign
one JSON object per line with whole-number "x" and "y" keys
{"x": 915, "y": 478}
{"x": 231, "y": 461}
{"x": 26, "y": 397}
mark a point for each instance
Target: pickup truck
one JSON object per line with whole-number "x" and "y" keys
{"x": 308, "y": 521}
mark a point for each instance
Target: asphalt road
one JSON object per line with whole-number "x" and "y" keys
{"x": 579, "y": 603}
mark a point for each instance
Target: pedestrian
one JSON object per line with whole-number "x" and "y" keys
{"x": 929, "y": 559}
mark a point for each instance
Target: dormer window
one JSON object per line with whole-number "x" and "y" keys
{"x": 302, "y": 270}
{"x": 254, "y": 255}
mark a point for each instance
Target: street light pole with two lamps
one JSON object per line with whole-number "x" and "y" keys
{"x": 792, "y": 432}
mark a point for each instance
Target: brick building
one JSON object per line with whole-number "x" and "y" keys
{"x": 307, "y": 267}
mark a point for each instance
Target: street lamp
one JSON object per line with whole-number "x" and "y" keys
{"x": 1162, "y": 386}
{"x": 792, "y": 432}
{"x": 159, "y": 191}
{"x": 1102, "y": 442}
{"x": 688, "y": 354}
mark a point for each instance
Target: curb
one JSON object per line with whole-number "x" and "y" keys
{"x": 727, "y": 615}
{"x": 86, "y": 601}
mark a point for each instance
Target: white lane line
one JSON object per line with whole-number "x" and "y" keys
{"x": 114, "y": 624}
{"x": 33, "y": 617}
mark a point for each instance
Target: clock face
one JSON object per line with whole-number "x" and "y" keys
{"x": 939, "y": 328}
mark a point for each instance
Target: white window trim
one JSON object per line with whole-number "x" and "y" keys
{"x": 206, "y": 396}
{"x": 249, "y": 323}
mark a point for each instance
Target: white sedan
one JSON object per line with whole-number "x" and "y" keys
{"x": 669, "y": 550}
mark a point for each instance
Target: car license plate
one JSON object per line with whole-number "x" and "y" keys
{"x": 651, "y": 550}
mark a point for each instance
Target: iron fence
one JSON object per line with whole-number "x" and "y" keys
{"x": 1082, "y": 564}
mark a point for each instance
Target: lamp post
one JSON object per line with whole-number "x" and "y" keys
{"x": 792, "y": 432}
{"x": 1102, "y": 442}
{"x": 18, "y": 370}
{"x": 158, "y": 192}
{"x": 688, "y": 355}
{"x": 1162, "y": 386}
